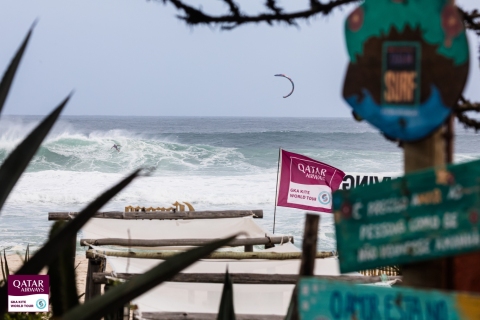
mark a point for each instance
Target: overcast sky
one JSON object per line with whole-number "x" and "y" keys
{"x": 133, "y": 57}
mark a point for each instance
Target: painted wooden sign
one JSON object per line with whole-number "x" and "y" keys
{"x": 333, "y": 300}
{"x": 408, "y": 64}
{"x": 420, "y": 216}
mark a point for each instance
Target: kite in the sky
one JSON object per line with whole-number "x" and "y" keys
{"x": 293, "y": 86}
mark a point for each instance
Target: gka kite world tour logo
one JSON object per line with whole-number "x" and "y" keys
{"x": 324, "y": 197}
{"x": 28, "y": 293}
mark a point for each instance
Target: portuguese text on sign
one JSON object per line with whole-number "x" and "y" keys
{"x": 425, "y": 215}
{"x": 333, "y": 300}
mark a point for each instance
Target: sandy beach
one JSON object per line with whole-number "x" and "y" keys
{"x": 14, "y": 263}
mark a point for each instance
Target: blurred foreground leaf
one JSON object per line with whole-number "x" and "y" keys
{"x": 60, "y": 240}
{"x": 63, "y": 287}
{"x": 13, "y": 167}
{"x": 227, "y": 311}
{"x": 12, "y": 69}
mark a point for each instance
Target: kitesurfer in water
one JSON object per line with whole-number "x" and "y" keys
{"x": 116, "y": 146}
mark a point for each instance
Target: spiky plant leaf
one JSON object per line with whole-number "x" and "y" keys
{"x": 7, "y": 271}
{"x": 61, "y": 239}
{"x": 63, "y": 289}
{"x": 226, "y": 310}
{"x": 292, "y": 312}
{"x": 12, "y": 69}
{"x": 27, "y": 253}
{"x": 126, "y": 292}
{"x": 17, "y": 161}
{"x": 3, "y": 270}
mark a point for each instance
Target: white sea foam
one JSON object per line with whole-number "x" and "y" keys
{"x": 211, "y": 163}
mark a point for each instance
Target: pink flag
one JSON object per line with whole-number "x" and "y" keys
{"x": 305, "y": 183}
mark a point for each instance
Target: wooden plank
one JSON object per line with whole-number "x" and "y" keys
{"x": 215, "y": 255}
{"x": 117, "y": 313}
{"x": 309, "y": 244}
{"x": 182, "y": 242}
{"x": 424, "y": 215}
{"x": 163, "y": 215}
{"x": 241, "y": 278}
{"x": 423, "y": 154}
{"x": 307, "y": 266}
{"x": 93, "y": 289}
{"x": 201, "y": 316}
{"x": 322, "y": 299}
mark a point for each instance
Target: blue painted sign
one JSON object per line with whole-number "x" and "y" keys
{"x": 421, "y": 216}
{"x": 408, "y": 64}
{"x": 333, "y": 300}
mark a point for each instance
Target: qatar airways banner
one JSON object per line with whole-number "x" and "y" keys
{"x": 305, "y": 183}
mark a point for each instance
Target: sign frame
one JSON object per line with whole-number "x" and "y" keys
{"x": 421, "y": 216}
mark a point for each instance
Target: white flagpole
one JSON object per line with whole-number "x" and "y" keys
{"x": 276, "y": 190}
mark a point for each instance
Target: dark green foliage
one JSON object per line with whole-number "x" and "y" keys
{"x": 63, "y": 291}
{"x": 26, "y": 316}
{"x": 226, "y": 311}
{"x": 12, "y": 69}
{"x": 6, "y": 273}
{"x": 13, "y": 167}
{"x": 122, "y": 294}
{"x": 117, "y": 313}
{"x": 5, "y": 270}
{"x": 27, "y": 253}
{"x": 292, "y": 312}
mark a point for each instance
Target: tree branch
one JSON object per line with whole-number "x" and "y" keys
{"x": 234, "y": 18}
{"x": 463, "y": 106}
{"x": 471, "y": 20}
{"x": 274, "y": 13}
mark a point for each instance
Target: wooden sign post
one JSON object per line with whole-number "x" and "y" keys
{"x": 427, "y": 153}
{"x": 408, "y": 67}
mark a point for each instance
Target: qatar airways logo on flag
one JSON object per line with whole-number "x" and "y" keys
{"x": 305, "y": 183}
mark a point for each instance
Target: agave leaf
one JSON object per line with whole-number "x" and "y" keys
{"x": 126, "y": 292}
{"x": 18, "y": 160}
{"x": 11, "y": 70}
{"x": 3, "y": 270}
{"x": 7, "y": 271}
{"x": 27, "y": 253}
{"x": 59, "y": 241}
{"x": 227, "y": 311}
{"x": 63, "y": 289}
{"x": 292, "y": 307}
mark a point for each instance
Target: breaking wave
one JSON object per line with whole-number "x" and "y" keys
{"x": 213, "y": 163}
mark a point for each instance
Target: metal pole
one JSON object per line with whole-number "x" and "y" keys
{"x": 276, "y": 189}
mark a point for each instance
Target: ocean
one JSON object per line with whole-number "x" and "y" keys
{"x": 211, "y": 162}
